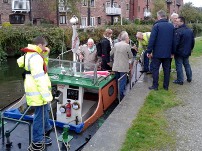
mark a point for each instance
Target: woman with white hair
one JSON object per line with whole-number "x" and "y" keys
{"x": 122, "y": 55}
{"x": 88, "y": 54}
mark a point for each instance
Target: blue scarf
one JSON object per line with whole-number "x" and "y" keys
{"x": 91, "y": 50}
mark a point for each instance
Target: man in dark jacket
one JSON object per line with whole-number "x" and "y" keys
{"x": 160, "y": 48}
{"x": 184, "y": 45}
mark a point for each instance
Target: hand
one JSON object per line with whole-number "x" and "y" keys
{"x": 149, "y": 55}
{"x": 81, "y": 57}
{"x": 135, "y": 47}
{"x": 46, "y": 50}
{"x": 109, "y": 64}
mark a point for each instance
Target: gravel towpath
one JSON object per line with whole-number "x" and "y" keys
{"x": 186, "y": 119}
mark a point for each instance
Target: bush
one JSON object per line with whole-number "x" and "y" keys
{"x": 6, "y": 24}
{"x": 3, "y": 55}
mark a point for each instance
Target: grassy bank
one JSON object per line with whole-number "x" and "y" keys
{"x": 149, "y": 130}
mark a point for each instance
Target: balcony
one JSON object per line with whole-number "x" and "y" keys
{"x": 21, "y": 6}
{"x": 113, "y": 11}
{"x": 62, "y": 8}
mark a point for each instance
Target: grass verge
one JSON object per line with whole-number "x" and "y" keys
{"x": 149, "y": 131}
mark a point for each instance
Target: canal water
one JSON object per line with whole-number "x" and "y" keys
{"x": 11, "y": 83}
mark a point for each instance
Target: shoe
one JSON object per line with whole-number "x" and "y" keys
{"x": 47, "y": 133}
{"x": 178, "y": 82}
{"x": 153, "y": 88}
{"x": 189, "y": 80}
{"x": 165, "y": 89}
{"x": 46, "y": 140}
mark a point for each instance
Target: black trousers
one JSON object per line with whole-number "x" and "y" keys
{"x": 156, "y": 62}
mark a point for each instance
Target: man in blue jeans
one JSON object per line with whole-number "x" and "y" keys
{"x": 184, "y": 45}
{"x": 143, "y": 40}
{"x": 161, "y": 48}
{"x": 37, "y": 89}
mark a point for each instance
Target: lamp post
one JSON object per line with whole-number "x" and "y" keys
{"x": 75, "y": 38}
{"x": 168, "y": 6}
{"x": 147, "y": 13}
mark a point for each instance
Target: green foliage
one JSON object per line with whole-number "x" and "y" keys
{"x": 137, "y": 21}
{"x": 13, "y": 39}
{"x": 158, "y": 5}
{"x": 192, "y": 14}
{"x": 6, "y": 24}
{"x": 147, "y": 22}
{"x": 198, "y": 47}
{"x": 3, "y": 55}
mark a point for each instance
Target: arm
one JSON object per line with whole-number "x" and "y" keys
{"x": 152, "y": 39}
{"x": 41, "y": 79}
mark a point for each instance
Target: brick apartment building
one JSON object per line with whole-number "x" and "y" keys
{"x": 92, "y": 12}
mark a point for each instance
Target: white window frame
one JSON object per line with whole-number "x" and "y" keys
{"x": 92, "y": 21}
{"x": 108, "y": 4}
{"x": 115, "y": 4}
{"x": 63, "y": 19}
{"x": 85, "y": 3}
{"x": 92, "y": 3}
{"x": 84, "y": 21}
{"x": 127, "y": 6}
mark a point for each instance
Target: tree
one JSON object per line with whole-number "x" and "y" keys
{"x": 72, "y": 7}
{"x": 158, "y": 5}
{"x": 191, "y": 13}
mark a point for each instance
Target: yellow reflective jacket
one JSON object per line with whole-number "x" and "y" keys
{"x": 37, "y": 84}
{"x": 142, "y": 44}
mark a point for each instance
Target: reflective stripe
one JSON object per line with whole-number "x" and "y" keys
{"x": 34, "y": 54}
{"x": 32, "y": 93}
{"x": 45, "y": 95}
{"x": 37, "y": 93}
{"x": 39, "y": 75}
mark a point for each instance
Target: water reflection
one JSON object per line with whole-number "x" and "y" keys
{"x": 11, "y": 83}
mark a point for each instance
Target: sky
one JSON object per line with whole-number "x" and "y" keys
{"x": 197, "y": 3}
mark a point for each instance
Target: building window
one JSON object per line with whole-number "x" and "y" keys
{"x": 17, "y": 19}
{"x": 92, "y": 21}
{"x": 63, "y": 19}
{"x": 83, "y": 21}
{"x": 0, "y": 19}
{"x": 99, "y": 20}
{"x": 115, "y": 5}
{"x": 116, "y": 19}
{"x": 127, "y": 6}
{"x": 85, "y": 2}
{"x": 5, "y": 1}
{"x": 138, "y": 8}
{"x": 108, "y": 4}
{"x": 92, "y": 3}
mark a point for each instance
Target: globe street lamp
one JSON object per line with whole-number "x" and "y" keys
{"x": 75, "y": 38}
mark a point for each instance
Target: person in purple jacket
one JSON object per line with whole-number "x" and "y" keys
{"x": 161, "y": 48}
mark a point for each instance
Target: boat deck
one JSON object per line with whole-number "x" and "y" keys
{"x": 20, "y": 136}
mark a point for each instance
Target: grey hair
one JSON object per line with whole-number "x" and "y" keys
{"x": 90, "y": 40}
{"x": 174, "y": 14}
{"x": 124, "y": 35}
{"x": 162, "y": 14}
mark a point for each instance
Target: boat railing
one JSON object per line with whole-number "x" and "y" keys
{"x": 59, "y": 69}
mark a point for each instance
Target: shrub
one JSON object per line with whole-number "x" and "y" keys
{"x": 6, "y": 24}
